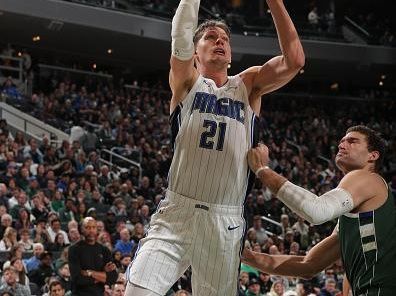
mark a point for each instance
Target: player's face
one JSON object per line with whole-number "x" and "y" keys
{"x": 214, "y": 47}
{"x": 353, "y": 152}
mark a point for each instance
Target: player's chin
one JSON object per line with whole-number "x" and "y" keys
{"x": 341, "y": 163}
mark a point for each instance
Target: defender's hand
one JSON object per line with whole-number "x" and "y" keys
{"x": 258, "y": 157}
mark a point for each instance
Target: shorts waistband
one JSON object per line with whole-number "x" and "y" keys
{"x": 192, "y": 204}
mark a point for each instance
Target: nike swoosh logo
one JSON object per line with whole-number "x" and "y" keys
{"x": 232, "y": 228}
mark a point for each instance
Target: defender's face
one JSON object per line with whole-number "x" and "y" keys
{"x": 214, "y": 47}
{"x": 352, "y": 152}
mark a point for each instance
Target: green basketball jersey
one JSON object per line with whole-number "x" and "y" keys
{"x": 368, "y": 248}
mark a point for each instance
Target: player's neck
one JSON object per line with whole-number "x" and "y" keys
{"x": 219, "y": 77}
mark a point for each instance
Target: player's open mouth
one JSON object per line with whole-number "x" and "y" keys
{"x": 219, "y": 51}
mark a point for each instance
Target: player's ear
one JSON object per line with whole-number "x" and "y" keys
{"x": 373, "y": 156}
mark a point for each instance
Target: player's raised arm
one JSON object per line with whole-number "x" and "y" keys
{"x": 182, "y": 72}
{"x": 280, "y": 69}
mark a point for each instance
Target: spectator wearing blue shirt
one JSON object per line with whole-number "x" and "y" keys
{"x": 33, "y": 262}
{"x": 124, "y": 245}
{"x": 10, "y": 90}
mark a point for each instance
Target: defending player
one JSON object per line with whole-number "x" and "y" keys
{"x": 365, "y": 237}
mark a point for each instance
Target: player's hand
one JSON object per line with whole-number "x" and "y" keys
{"x": 247, "y": 255}
{"x": 258, "y": 157}
{"x": 109, "y": 267}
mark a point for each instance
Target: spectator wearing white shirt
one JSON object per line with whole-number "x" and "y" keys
{"x": 54, "y": 229}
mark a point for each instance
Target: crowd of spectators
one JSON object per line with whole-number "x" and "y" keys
{"x": 244, "y": 17}
{"x": 314, "y": 19}
{"x": 45, "y": 191}
{"x": 376, "y": 20}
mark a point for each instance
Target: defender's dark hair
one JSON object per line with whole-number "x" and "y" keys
{"x": 374, "y": 142}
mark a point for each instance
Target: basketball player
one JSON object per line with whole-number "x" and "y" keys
{"x": 200, "y": 221}
{"x": 365, "y": 237}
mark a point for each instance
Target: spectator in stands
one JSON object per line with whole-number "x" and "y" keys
{"x": 126, "y": 260}
{"x": 254, "y": 288}
{"x": 97, "y": 202}
{"x": 301, "y": 231}
{"x": 62, "y": 151}
{"x": 6, "y": 221}
{"x": 25, "y": 240}
{"x": 9, "y": 239}
{"x": 89, "y": 141}
{"x": 124, "y": 244}
{"x": 11, "y": 285}
{"x": 33, "y": 186}
{"x": 34, "y": 261}
{"x": 56, "y": 289}
{"x": 182, "y": 293}
{"x": 118, "y": 289}
{"x": 138, "y": 232}
{"x": 119, "y": 208}
{"x": 40, "y": 233}
{"x": 144, "y": 214}
{"x": 33, "y": 152}
{"x": 277, "y": 289}
{"x": 24, "y": 220}
{"x": 21, "y": 203}
{"x": 3, "y": 195}
{"x": 43, "y": 271}
{"x": 145, "y": 190}
{"x": 55, "y": 229}
{"x": 81, "y": 211}
{"x": 74, "y": 235}
{"x": 22, "y": 278}
{"x": 16, "y": 251}
{"x": 68, "y": 212}
{"x": 58, "y": 245}
{"x": 63, "y": 275}
{"x": 10, "y": 173}
{"x": 261, "y": 235}
{"x": 330, "y": 288}
{"x": 265, "y": 282}
{"x": 243, "y": 282}
{"x": 10, "y": 90}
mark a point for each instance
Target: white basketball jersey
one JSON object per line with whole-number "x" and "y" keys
{"x": 212, "y": 130}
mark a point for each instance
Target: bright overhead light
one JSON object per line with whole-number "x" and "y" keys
{"x": 19, "y": 54}
{"x": 36, "y": 38}
{"x": 94, "y": 66}
{"x": 109, "y": 51}
{"x": 381, "y": 83}
{"x": 383, "y": 76}
{"x": 334, "y": 86}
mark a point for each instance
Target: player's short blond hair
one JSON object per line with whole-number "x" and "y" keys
{"x": 210, "y": 24}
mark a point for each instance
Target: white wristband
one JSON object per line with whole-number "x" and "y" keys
{"x": 261, "y": 169}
